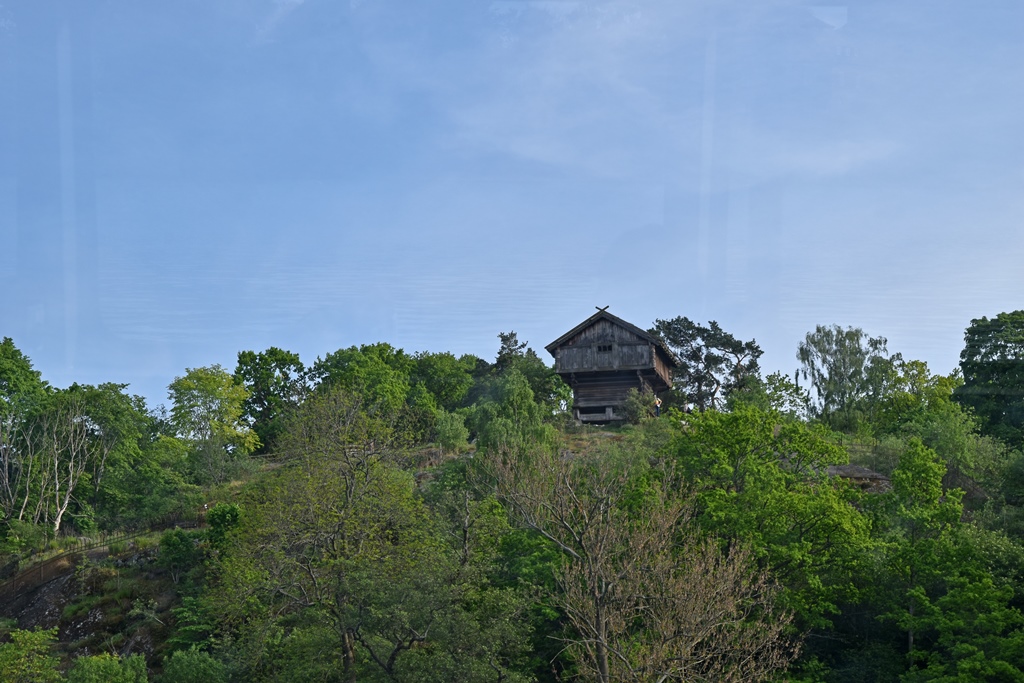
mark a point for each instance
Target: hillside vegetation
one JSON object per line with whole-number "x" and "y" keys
{"x": 381, "y": 516}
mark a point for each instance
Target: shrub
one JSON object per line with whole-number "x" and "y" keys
{"x": 107, "y": 668}
{"x": 194, "y": 666}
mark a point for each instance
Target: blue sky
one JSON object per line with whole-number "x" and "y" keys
{"x": 183, "y": 180}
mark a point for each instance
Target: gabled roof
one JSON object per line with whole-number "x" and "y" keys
{"x": 605, "y": 315}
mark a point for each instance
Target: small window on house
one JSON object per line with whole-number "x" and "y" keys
{"x": 604, "y": 348}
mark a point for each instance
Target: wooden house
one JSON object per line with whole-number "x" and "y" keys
{"x": 604, "y": 357}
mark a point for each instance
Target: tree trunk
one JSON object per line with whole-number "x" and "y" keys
{"x": 348, "y": 657}
{"x": 910, "y": 631}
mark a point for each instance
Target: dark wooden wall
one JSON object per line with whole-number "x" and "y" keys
{"x": 582, "y": 354}
{"x": 603, "y": 361}
{"x": 606, "y": 389}
{"x": 589, "y": 358}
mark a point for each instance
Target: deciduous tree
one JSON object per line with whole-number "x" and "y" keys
{"x": 760, "y": 479}
{"x": 28, "y": 658}
{"x": 645, "y": 597}
{"x": 993, "y": 367}
{"x": 276, "y": 382}
{"x": 336, "y": 548}
{"x": 849, "y": 371}
{"x": 207, "y": 411}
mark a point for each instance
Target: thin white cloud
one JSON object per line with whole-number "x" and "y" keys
{"x": 834, "y": 16}
{"x": 281, "y": 10}
{"x": 760, "y": 154}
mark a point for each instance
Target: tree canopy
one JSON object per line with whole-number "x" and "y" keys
{"x": 992, "y": 363}
{"x": 433, "y": 517}
{"x": 714, "y": 363}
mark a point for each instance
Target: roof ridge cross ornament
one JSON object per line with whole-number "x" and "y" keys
{"x": 602, "y": 310}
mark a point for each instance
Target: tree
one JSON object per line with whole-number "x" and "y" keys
{"x": 451, "y": 431}
{"x": 19, "y": 381}
{"x": 65, "y": 435}
{"x": 222, "y": 518}
{"x": 645, "y": 597}
{"x": 207, "y": 410}
{"x": 378, "y": 373}
{"x": 776, "y": 393}
{"x": 381, "y": 376}
{"x": 446, "y": 377}
{"x": 276, "y": 382}
{"x": 47, "y": 453}
{"x": 207, "y": 405}
{"x": 27, "y": 658}
{"x": 849, "y": 371}
{"x": 331, "y": 423}
{"x": 760, "y": 479}
{"x": 510, "y": 419}
{"x": 336, "y": 552}
{"x": 920, "y": 545}
{"x": 978, "y": 636}
{"x": 937, "y": 586}
{"x": 21, "y": 391}
{"x": 548, "y": 388}
{"x": 714, "y": 362}
{"x": 638, "y": 406}
{"x": 115, "y": 423}
{"x": 993, "y": 367}
{"x": 152, "y": 487}
{"x": 179, "y": 552}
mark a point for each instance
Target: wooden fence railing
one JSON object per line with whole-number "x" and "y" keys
{"x": 47, "y": 566}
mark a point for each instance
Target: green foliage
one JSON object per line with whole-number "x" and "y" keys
{"x": 937, "y": 585}
{"x": 207, "y": 405}
{"x": 340, "y": 544}
{"x": 977, "y": 636}
{"x": 775, "y": 393}
{"x": 510, "y": 421}
{"x": 155, "y": 487}
{"x": 207, "y": 411}
{"x": 107, "y": 668}
{"x": 194, "y": 666}
{"x": 636, "y": 582}
{"x": 17, "y": 536}
{"x": 332, "y": 420}
{"x": 639, "y": 406}
{"x": 447, "y": 378}
{"x": 378, "y": 373}
{"x": 179, "y": 552}
{"x": 19, "y": 382}
{"x": 124, "y": 480}
{"x": 850, "y": 373}
{"x": 547, "y": 387}
{"x": 760, "y": 479}
{"x": 452, "y": 433}
{"x": 276, "y": 382}
{"x": 194, "y": 624}
{"x": 920, "y": 521}
{"x": 28, "y": 659}
{"x": 391, "y": 387}
{"x": 344, "y": 566}
{"x": 222, "y": 518}
{"x": 993, "y": 367}
{"x": 715, "y": 364}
